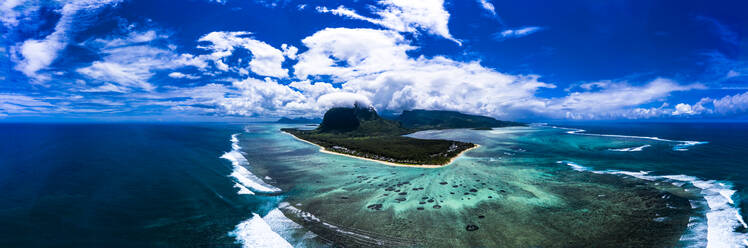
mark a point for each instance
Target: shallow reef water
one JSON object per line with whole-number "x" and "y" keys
{"x": 524, "y": 187}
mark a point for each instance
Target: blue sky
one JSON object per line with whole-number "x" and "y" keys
{"x": 240, "y": 59}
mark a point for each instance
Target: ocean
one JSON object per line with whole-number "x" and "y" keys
{"x": 250, "y": 185}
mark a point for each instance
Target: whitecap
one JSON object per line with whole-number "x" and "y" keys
{"x": 288, "y": 229}
{"x": 722, "y": 217}
{"x": 630, "y": 149}
{"x": 243, "y": 190}
{"x": 686, "y": 144}
{"x": 255, "y": 232}
{"x": 574, "y": 166}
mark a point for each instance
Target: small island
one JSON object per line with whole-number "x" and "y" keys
{"x": 360, "y": 132}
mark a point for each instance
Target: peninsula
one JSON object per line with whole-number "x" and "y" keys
{"x": 360, "y": 132}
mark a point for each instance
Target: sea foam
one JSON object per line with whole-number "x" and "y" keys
{"x": 255, "y": 232}
{"x": 722, "y": 218}
{"x": 247, "y": 182}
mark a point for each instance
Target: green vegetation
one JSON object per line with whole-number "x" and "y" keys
{"x": 395, "y": 149}
{"x": 438, "y": 119}
{"x": 362, "y": 132}
{"x": 300, "y": 120}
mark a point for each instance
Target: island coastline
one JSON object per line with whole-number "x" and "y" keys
{"x": 426, "y": 166}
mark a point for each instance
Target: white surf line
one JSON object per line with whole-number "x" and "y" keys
{"x": 683, "y": 146}
{"x": 255, "y": 232}
{"x": 630, "y": 149}
{"x": 247, "y": 182}
{"x": 723, "y": 215}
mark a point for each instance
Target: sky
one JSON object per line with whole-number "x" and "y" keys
{"x": 200, "y": 60}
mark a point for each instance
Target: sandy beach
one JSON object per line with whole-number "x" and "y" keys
{"x": 429, "y": 166}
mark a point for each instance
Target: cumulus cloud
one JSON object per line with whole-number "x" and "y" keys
{"x": 374, "y": 64}
{"x": 404, "y": 16}
{"x": 517, "y": 33}
{"x": 266, "y": 60}
{"x": 34, "y": 55}
{"x": 684, "y": 109}
{"x": 731, "y": 104}
{"x": 612, "y": 99}
{"x": 267, "y": 97}
{"x": 726, "y": 106}
{"x": 346, "y": 53}
{"x": 343, "y": 99}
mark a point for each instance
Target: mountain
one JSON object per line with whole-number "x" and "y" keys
{"x": 358, "y": 121}
{"x": 299, "y": 120}
{"x": 361, "y": 132}
{"x": 440, "y": 119}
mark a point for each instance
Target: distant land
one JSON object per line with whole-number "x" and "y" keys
{"x": 362, "y": 133}
{"x": 439, "y": 119}
{"x": 299, "y": 120}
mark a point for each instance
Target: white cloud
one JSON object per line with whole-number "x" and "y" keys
{"x": 646, "y": 113}
{"x": 684, "y": 109}
{"x": 107, "y": 87}
{"x": 266, "y": 98}
{"x": 731, "y": 104}
{"x": 517, "y": 33}
{"x": 374, "y": 63}
{"x": 129, "y": 62}
{"x": 34, "y": 55}
{"x": 404, "y": 16}
{"x": 343, "y": 99}
{"x": 180, "y": 75}
{"x": 266, "y": 60}
{"x": 614, "y": 100}
{"x": 313, "y": 90}
{"x": 132, "y": 38}
{"x": 488, "y": 6}
{"x": 132, "y": 66}
{"x": 732, "y": 74}
{"x": 289, "y": 51}
{"x": 13, "y": 11}
{"x": 20, "y": 104}
{"x": 362, "y": 51}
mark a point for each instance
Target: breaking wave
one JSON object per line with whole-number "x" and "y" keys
{"x": 722, "y": 217}
{"x": 272, "y": 230}
{"x": 247, "y": 182}
{"x": 255, "y": 232}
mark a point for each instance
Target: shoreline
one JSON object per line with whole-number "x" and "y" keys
{"x": 426, "y": 166}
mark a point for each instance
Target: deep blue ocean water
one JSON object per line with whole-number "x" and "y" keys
{"x": 117, "y": 185}
{"x": 145, "y": 185}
